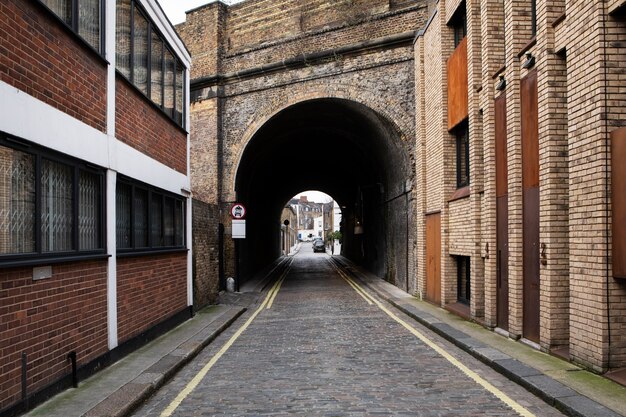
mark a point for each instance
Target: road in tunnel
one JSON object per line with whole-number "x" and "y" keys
{"x": 339, "y": 147}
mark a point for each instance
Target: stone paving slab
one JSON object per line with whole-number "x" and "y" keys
{"x": 553, "y": 392}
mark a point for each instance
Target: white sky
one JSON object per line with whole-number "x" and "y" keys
{"x": 175, "y": 9}
{"x": 315, "y": 196}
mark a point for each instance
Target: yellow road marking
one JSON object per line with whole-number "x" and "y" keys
{"x": 169, "y": 410}
{"x": 473, "y": 375}
{"x": 353, "y": 285}
{"x": 275, "y": 293}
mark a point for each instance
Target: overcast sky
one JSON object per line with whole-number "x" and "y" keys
{"x": 175, "y": 9}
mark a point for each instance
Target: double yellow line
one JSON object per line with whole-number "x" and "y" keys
{"x": 274, "y": 290}
{"x": 447, "y": 356}
{"x": 191, "y": 385}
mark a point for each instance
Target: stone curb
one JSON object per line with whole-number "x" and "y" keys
{"x": 548, "y": 389}
{"x": 130, "y": 396}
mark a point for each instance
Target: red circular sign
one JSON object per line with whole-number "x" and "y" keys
{"x": 238, "y": 211}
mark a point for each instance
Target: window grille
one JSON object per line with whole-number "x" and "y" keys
{"x": 50, "y": 205}
{"x": 56, "y": 207}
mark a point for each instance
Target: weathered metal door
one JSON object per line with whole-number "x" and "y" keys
{"x": 433, "y": 258}
{"x": 502, "y": 216}
{"x": 530, "y": 204}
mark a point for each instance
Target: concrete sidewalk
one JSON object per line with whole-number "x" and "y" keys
{"x": 570, "y": 389}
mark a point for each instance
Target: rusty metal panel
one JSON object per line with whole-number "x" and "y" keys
{"x": 530, "y": 130}
{"x": 457, "y": 85}
{"x": 502, "y": 262}
{"x": 530, "y": 204}
{"x": 433, "y": 258}
{"x": 531, "y": 260}
{"x": 618, "y": 201}
{"x": 502, "y": 182}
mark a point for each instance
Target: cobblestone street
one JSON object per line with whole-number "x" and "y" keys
{"x": 321, "y": 349}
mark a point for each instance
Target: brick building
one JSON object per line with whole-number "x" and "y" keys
{"x": 518, "y": 104}
{"x": 95, "y": 223}
{"x": 482, "y": 179}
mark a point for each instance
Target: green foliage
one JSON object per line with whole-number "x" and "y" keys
{"x": 336, "y": 235}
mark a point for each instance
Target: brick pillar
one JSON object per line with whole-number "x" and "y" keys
{"x": 474, "y": 67}
{"x": 420, "y": 166}
{"x": 517, "y": 35}
{"x": 492, "y": 38}
{"x": 553, "y": 173}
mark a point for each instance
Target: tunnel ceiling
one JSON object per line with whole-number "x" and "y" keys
{"x": 330, "y": 145}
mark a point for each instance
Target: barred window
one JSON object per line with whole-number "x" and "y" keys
{"x": 83, "y": 17}
{"x": 148, "y": 218}
{"x": 147, "y": 61}
{"x": 49, "y": 204}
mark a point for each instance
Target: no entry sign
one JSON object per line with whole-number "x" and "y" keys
{"x": 238, "y": 211}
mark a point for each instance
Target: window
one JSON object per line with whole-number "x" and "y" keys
{"x": 148, "y": 218}
{"x": 459, "y": 24}
{"x": 145, "y": 59}
{"x": 462, "y": 155}
{"x": 49, "y": 205}
{"x": 463, "y": 279}
{"x": 83, "y": 17}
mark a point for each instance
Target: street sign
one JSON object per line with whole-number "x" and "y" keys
{"x": 238, "y": 211}
{"x": 239, "y": 229}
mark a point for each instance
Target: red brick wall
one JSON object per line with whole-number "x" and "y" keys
{"x": 47, "y": 319}
{"x": 150, "y": 289}
{"x": 140, "y": 125}
{"x": 42, "y": 58}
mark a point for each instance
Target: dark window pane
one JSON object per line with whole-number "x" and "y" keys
{"x": 462, "y": 156}
{"x": 56, "y": 207}
{"x": 168, "y": 222}
{"x": 89, "y": 22}
{"x": 123, "y": 210}
{"x": 180, "y": 76}
{"x": 141, "y": 218}
{"x": 179, "y": 223}
{"x": 156, "y": 77}
{"x": 17, "y": 202}
{"x": 62, "y": 8}
{"x": 156, "y": 219}
{"x": 463, "y": 279}
{"x": 169, "y": 84}
{"x": 140, "y": 52}
{"x": 89, "y": 191}
{"x": 122, "y": 37}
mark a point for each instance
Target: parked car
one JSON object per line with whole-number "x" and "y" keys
{"x": 319, "y": 246}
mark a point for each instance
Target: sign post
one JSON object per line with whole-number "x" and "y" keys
{"x": 238, "y": 214}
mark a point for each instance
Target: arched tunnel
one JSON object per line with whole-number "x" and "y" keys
{"x": 346, "y": 150}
